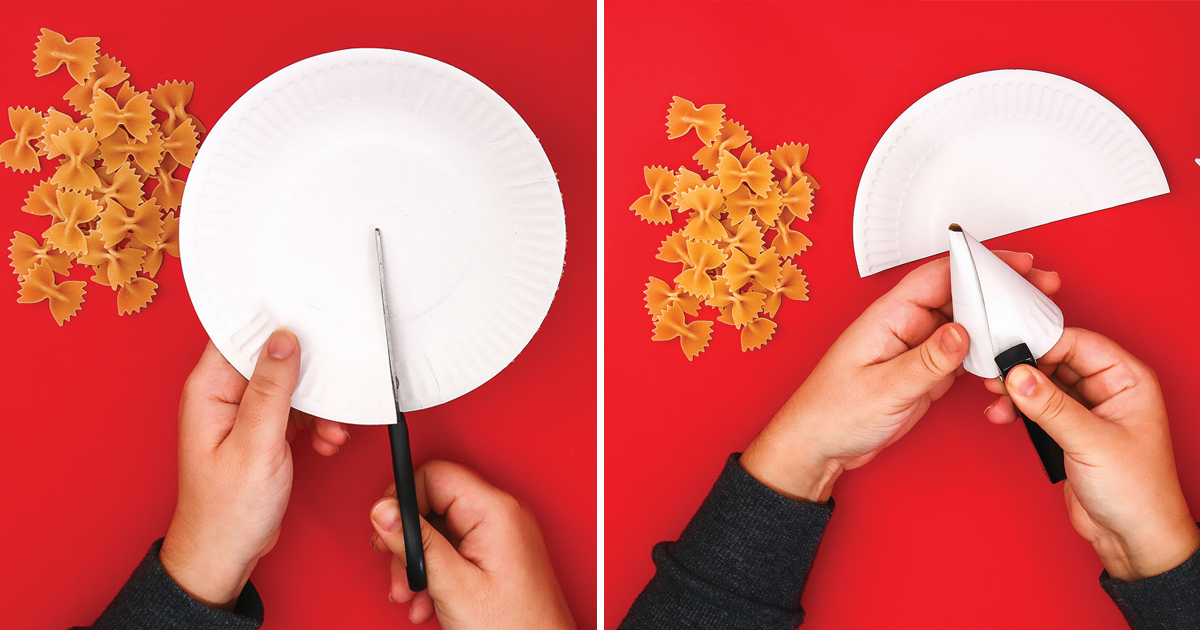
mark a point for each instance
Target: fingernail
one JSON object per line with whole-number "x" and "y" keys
{"x": 386, "y": 516}
{"x": 985, "y": 412}
{"x": 281, "y": 344}
{"x": 390, "y": 597}
{"x": 1029, "y": 255}
{"x": 951, "y": 340}
{"x": 347, "y": 433}
{"x": 1022, "y": 381}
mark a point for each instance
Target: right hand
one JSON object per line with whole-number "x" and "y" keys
{"x": 492, "y": 573}
{"x": 1105, "y": 408}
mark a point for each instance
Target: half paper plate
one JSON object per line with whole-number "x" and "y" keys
{"x": 1000, "y": 151}
{"x": 278, "y": 218}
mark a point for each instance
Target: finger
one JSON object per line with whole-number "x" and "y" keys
{"x": 918, "y": 371}
{"x": 398, "y": 590}
{"x": 330, "y": 432}
{"x": 212, "y": 382}
{"x": 421, "y": 609}
{"x": 464, "y": 497}
{"x": 1001, "y": 412}
{"x": 443, "y": 565}
{"x": 1063, "y": 418}
{"x": 321, "y": 446}
{"x": 266, "y": 405}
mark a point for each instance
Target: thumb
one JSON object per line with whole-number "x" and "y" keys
{"x": 919, "y": 370}
{"x": 1062, "y": 417}
{"x": 443, "y": 564}
{"x": 263, "y": 412}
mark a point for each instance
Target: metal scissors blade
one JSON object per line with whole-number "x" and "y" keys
{"x": 402, "y": 468}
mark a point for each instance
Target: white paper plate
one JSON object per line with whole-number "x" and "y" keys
{"x": 998, "y": 151}
{"x": 277, "y": 222}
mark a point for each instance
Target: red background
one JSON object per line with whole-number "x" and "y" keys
{"x": 90, "y": 408}
{"x": 955, "y": 525}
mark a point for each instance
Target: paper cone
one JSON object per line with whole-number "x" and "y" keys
{"x": 997, "y": 306}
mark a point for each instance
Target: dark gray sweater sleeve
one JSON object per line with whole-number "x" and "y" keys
{"x": 1169, "y": 601}
{"x": 151, "y": 600}
{"x": 741, "y": 562}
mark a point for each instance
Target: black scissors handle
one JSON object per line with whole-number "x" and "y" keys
{"x": 1048, "y": 450}
{"x": 406, "y": 493}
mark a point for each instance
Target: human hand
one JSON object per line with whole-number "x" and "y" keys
{"x": 872, "y": 385}
{"x": 235, "y": 468}
{"x": 491, "y": 572}
{"x": 1105, "y": 408}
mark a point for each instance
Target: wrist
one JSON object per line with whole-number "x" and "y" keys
{"x": 202, "y": 573}
{"x": 1155, "y": 553}
{"x": 791, "y": 468}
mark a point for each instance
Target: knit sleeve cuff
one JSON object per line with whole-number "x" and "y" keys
{"x": 151, "y": 599}
{"x": 1168, "y": 600}
{"x": 749, "y": 539}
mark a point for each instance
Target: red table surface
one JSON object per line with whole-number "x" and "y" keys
{"x": 955, "y": 525}
{"x": 90, "y": 408}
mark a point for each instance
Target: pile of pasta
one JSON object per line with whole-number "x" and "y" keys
{"x": 738, "y": 246}
{"x": 124, "y": 143}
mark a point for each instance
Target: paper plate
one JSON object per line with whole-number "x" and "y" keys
{"x": 278, "y": 217}
{"x": 1000, "y": 151}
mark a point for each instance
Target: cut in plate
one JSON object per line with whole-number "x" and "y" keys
{"x": 278, "y": 217}
{"x": 997, "y": 152}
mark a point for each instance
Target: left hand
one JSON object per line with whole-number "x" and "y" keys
{"x": 235, "y": 468}
{"x": 872, "y": 385}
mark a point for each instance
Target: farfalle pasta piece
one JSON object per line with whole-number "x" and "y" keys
{"x": 789, "y": 242}
{"x": 19, "y": 152}
{"x": 789, "y": 158}
{"x": 732, "y": 136}
{"x": 694, "y": 279}
{"x": 183, "y": 143}
{"x": 792, "y": 284}
{"x": 167, "y": 242}
{"x": 25, "y": 253}
{"x": 66, "y": 235}
{"x": 743, "y": 307}
{"x": 744, "y": 236}
{"x": 651, "y": 207}
{"x": 693, "y": 336}
{"x": 708, "y": 204}
{"x": 122, "y": 186}
{"x": 739, "y": 271}
{"x": 114, "y": 266}
{"x": 134, "y": 295}
{"x": 53, "y": 51}
{"x": 741, "y": 203}
{"x": 43, "y": 202}
{"x": 683, "y": 116}
{"x": 171, "y": 99}
{"x": 798, "y": 199}
{"x": 75, "y": 172}
{"x": 660, "y": 296}
{"x": 108, "y": 73}
{"x": 136, "y": 116}
{"x": 685, "y": 181}
{"x": 674, "y": 249}
{"x": 169, "y": 191}
{"x": 756, "y": 333}
{"x": 117, "y": 148}
{"x": 65, "y": 298}
{"x": 56, "y": 122}
{"x": 144, "y": 226}
{"x": 756, "y": 174}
